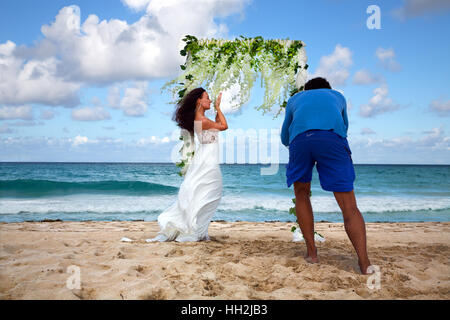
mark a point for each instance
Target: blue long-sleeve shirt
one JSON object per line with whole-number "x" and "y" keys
{"x": 322, "y": 109}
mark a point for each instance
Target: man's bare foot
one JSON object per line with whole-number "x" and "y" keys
{"x": 312, "y": 258}
{"x": 364, "y": 266}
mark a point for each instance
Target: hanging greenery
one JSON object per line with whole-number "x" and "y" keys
{"x": 234, "y": 65}
{"x": 220, "y": 64}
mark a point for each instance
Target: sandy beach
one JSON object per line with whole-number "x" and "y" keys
{"x": 243, "y": 260}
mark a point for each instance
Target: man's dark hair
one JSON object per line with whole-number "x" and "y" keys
{"x": 317, "y": 83}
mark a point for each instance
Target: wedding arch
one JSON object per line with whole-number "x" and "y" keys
{"x": 219, "y": 65}
{"x": 233, "y": 66}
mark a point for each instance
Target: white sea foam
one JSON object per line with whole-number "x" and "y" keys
{"x": 328, "y": 204}
{"x": 83, "y": 203}
{"x": 229, "y": 203}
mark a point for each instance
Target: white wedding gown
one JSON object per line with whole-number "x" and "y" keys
{"x": 200, "y": 192}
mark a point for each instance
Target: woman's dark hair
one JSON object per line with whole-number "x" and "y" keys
{"x": 184, "y": 115}
{"x": 317, "y": 83}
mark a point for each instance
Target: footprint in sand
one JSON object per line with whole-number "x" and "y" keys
{"x": 212, "y": 287}
{"x": 137, "y": 270}
{"x": 83, "y": 242}
{"x": 174, "y": 253}
{"x": 125, "y": 253}
{"x": 157, "y": 294}
{"x": 84, "y": 294}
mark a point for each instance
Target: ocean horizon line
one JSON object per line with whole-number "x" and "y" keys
{"x": 231, "y": 164}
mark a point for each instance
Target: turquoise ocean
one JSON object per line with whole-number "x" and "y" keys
{"x": 140, "y": 191}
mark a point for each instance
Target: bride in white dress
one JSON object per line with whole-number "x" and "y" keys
{"x": 189, "y": 217}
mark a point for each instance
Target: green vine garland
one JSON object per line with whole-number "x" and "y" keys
{"x": 218, "y": 64}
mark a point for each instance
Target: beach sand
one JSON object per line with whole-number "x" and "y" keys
{"x": 244, "y": 260}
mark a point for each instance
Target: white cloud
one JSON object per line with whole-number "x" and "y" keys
{"x": 436, "y": 139}
{"x": 441, "y": 107}
{"x": 29, "y": 80}
{"x": 79, "y": 140}
{"x": 73, "y": 53}
{"x": 134, "y": 101}
{"x": 152, "y": 140}
{"x": 81, "y": 148}
{"x": 334, "y": 67}
{"x": 12, "y": 112}
{"x": 387, "y": 59}
{"x": 102, "y": 51}
{"x": 136, "y": 5}
{"x": 90, "y": 114}
{"x": 364, "y": 77}
{"x": 380, "y": 103}
{"x": 433, "y": 139}
{"x": 172, "y": 10}
{"x": 6, "y": 50}
{"x": 108, "y": 140}
{"x": 432, "y": 148}
{"x": 110, "y": 51}
{"x": 415, "y": 8}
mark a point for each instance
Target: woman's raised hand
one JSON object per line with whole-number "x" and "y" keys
{"x": 218, "y": 100}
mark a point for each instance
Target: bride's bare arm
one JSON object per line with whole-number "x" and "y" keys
{"x": 220, "y": 123}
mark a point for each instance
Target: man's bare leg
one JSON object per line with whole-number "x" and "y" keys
{"x": 305, "y": 218}
{"x": 354, "y": 226}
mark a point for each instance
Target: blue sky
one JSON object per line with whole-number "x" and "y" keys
{"x": 69, "y": 92}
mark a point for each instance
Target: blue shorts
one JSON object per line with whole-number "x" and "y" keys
{"x": 332, "y": 154}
